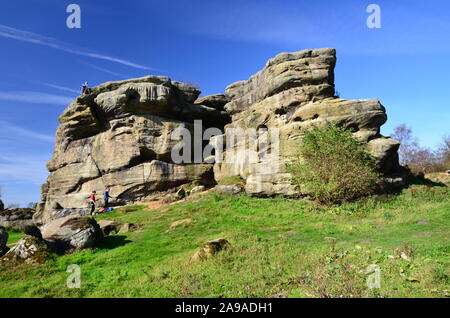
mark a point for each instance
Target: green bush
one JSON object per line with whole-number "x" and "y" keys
{"x": 333, "y": 167}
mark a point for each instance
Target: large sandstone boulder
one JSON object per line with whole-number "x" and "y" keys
{"x": 17, "y": 219}
{"x": 67, "y": 234}
{"x": 294, "y": 92}
{"x": 29, "y": 250}
{"x": 120, "y": 136}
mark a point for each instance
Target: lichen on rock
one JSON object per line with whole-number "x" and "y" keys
{"x": 29, "y": 250}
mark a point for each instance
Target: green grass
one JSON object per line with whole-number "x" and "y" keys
{"x": 14, "y": 236}
{"x": 290, "y": 248}
{"x": 232, "y": 180}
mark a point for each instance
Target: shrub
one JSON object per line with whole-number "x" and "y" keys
{"x": 333, "y": 167}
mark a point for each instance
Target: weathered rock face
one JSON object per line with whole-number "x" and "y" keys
{"x": 67, "y": 234}
{"x": 294, "y": 92}
{"x": 120, "y": 135}
{"x": 17, "y": 219}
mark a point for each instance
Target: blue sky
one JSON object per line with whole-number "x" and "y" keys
{"x": 212, "y": 44}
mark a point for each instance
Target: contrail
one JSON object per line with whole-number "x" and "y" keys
{"x": 8, "y": 32}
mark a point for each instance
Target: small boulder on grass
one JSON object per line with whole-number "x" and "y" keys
{"x": 209, "y": 249}
{"x": 29, "y": 250}
{"x": 68, "y": 234}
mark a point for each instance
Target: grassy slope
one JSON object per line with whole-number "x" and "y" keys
{"x": 14, "y": 236}
{"x": 280, "y": 247}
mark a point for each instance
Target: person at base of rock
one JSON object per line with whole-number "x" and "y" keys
{"x": 107, "y": 196}
{"x": 92, "y": 202}
{"x": 85, "y": 88}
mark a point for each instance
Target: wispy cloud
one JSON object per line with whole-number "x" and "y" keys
{"x": 35, "y": 97}
{"x": 10, "y": 131}
{"x": 12, "y": 33}
{"x": 252, "y": 21}
{"x": 101, "y": 69}
{"x": 61, "y": 88}
{"x": 305, "y": 24}
{"x": 32, "y": 171}
{"x": 24, "y": 155}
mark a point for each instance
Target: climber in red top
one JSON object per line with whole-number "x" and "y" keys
{"x": 92, "y": 202}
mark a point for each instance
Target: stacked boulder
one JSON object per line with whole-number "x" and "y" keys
{"x": 294, "y": 92}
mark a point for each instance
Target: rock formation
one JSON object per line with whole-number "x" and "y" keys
{"x": 294, "y": 92}
{"x": 120, "y": 134}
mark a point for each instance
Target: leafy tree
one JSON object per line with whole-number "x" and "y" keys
{"x": 333, "y": 167}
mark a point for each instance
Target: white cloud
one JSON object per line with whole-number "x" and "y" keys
{"x": 32, "y": 171}
{"x": 101, "y": 69}
{"x": 61, "y": 88}
{"x": 24, "y": 155}
{"x": 9, "y": 131}
{"x": 35, "y": 97}
{"x": 12, "y": 33}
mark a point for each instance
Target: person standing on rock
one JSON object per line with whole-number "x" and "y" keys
{"x": 92, "y": 202}
{"x": 85, "y": 88}
{"x": 106, "y": 196}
